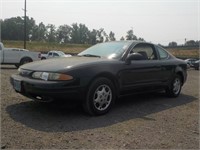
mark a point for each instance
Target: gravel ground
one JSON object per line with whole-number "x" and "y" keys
{"x": 150, "y": 121}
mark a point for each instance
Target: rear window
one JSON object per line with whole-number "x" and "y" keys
{"x": 162, "y": 53}
{"x": 146, "y": 50}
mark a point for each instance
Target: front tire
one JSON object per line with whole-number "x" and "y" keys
{"x": 100, "y": 97}
{"x": 175, "y": 86}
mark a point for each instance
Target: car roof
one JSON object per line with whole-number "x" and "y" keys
{"x": 55, "y": 51}
{"x": 20, "y": 49}
{"x": 131, "y": 41}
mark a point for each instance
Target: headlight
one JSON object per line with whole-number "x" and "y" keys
{"x": 51, "y": 76}
{"x": 24, "y": 72}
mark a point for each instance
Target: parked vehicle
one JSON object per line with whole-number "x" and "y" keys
{"x": 196, "y": 65}
{"x": 54, "y": 54}
{"x": 16, "y": 56}
{"x": 102, "y": 73}
{"x": 190, "y": 61}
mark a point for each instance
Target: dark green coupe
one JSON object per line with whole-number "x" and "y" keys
{"x": 102, "y": 73}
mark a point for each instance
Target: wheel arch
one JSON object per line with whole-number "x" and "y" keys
{"x": 109, "y": 76}
{"x": 94, "y": 84}
{"x": 181, "y": 75}
{"x": 26, "y": 57}
{"x": 179, "y": 71}
{"x": 42, "y": 58}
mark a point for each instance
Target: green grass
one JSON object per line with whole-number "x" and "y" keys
{"x": 185, "y": 53}
{"x": 45, "y": 47}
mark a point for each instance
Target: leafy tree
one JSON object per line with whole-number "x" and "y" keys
{"x": 13, "y": 29}
{"x": 198, "y": 43}
{"x": 1, "y": 22}
{"x": 39, "y": 32}
{"x": 75, "y": 38}
{"x": 34, "y": 34}
{"x": 100, "y": 35}
{"x": 172, "y": 44}
{"x": 122, "y": 38}
{"x": 79, "y": 33}
{"x": 190, "y": 43}
{"x": 30, "y": 26}
{"x": 130, "y": 35}
{"x": 107, "y": 39}
{"x": 63, "y": 34}
{"x": 141, "y": 39}
{"x": 51, "y": 33}
{"x": 83, "y": 34}
{"x": 112, "y": 36}
{"x": 42, "y": 31}
{"x": 92, "y": 37}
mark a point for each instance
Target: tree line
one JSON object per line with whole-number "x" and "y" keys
{"x": 13, "y": 29}
{"x": 187, "y": 43}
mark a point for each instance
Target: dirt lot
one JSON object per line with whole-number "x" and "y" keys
{"x": 149, "y": 121}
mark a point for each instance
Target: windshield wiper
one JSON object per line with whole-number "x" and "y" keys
{"x": 90, "y": 55}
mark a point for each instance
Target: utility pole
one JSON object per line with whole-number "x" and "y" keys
{"x": 25, "y": 24}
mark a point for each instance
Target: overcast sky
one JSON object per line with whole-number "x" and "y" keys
{"x": 158, "y": 21}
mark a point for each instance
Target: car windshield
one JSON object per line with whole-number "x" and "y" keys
{"x": 111, "y": 50}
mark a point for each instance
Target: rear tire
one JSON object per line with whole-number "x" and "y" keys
{"x": 175, "y": 86}
{"x": 25, "y": 61}
{"x": 100, "y": 97}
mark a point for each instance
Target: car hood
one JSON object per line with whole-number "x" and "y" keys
{"x": 58, "y": 64}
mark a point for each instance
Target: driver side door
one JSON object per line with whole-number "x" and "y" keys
{"x": 142, "y": 73}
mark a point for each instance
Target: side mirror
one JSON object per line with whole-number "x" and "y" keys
{"x": 134, "y": 56}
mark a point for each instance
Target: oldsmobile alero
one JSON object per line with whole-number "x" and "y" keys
{"x": 102, "y": 73}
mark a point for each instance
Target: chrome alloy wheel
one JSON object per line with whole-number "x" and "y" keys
{"x": 102, "y": 97}
{"x": 176, "y": 85}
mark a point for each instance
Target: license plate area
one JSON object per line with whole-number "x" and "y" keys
{"x": 17, "y": 85}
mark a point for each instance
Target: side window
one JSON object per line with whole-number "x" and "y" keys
{"x": 146, "y": 50}
{"x": 1, "y": 47}
{"x": 162, "y": 53}
{"x": 55, "y": 54}
{"x": 50, "y": 54}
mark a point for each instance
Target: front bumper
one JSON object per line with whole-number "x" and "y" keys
{"x": 46, "y": 91}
